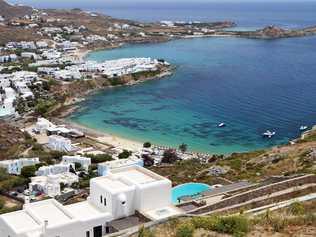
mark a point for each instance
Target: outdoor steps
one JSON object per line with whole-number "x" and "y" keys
{"x": 256, "y": 193}
{"x": 268, "y": 199}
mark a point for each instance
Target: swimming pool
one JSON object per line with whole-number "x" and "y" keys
{"x": 187, "y": 189}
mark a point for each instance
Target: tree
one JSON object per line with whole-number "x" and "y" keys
{"x": 183, "y": 147}
{"x": 62, "y": 186}
{"x": 147, "y": 145}
{"x": 3, "y": 174}
{"x": 78, "y": 166}
{"x": 100, "y": 158}
{"x": 169, "y": 156}
{"x": 148, "y": 161}
{"x": 43, "y": 106}
{"x": 125, "y": 154}
{"x": 28, "y": 171}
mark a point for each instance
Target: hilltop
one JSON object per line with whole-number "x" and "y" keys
{"x": 10, "y": 11}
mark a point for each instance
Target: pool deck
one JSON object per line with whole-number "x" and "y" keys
{"x": 227, "y": 188}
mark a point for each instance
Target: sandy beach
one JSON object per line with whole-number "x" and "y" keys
{"x": 110, "y": 140}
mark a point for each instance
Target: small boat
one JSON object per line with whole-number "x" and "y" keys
{"x": 221, "y": 125}
{"x": 268, "y": 134}
{"x": 303, "y": 128}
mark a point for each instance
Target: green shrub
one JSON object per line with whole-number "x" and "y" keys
{"x": 28, "y": 171}
{"x": 147, "y": 145}
{"x": 206, "y": 223}
{"x": 125, "y": 154}
{"x": 235, "y": 225}
{"x": 3, "y": 174}
{"x": 185, "y": 230}
{"x": 297, "y": 208}
{"x": 145, "y": 232}
{"x": 100, "y": 158}
{"x": 278, "y": 224}
{"x": 11, "y": 182}
{"x": 1, "y": 203}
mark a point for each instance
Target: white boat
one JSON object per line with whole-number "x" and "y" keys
{"x": 303, "y": 128}
{"x": 268, "y": 134}
{"x": 221, "y": 125}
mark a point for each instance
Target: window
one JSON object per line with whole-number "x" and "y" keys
{"x": 104, "y": 201}
{"x": 88, "y": 234}
{"x": 101, "y": 199}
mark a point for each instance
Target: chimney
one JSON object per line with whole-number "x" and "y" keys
{"x": 45, "y": 228}
{"x": 26, "y": 199}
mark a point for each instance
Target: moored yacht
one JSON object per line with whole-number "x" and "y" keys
{"x": 221, "y": 125}
{"x": 268, "y": 134}
{"x": 303, "y": 128}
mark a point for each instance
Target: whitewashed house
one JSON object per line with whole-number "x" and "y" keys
{"x": 54, "y": 169}
{"x": 45, "y": 184}
{"x": 50, "y": 185}
{"x": 15, "y": 166}
{"x": 7, "y": 102}
{"x": 8, "y": 58}
{"x": 42, "y": 125}
{"x": 59, "y": 143}
{"x": 117, "y": 195}
{"x": 85, "y": 162}
{"x": 41, "y": 44}
{"x": 106, "y": 167}
{"x": 29, "y": 55}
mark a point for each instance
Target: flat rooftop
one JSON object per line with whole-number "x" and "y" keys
{"x": 85, "y": 211}
{"x": 20, "y": 221}
{"x": 50, "y": 211}
{"x": 136, "y": 176}
{"x": 110, "y": 183}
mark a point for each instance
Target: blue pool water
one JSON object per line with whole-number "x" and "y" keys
{"x": 187, "y": 189}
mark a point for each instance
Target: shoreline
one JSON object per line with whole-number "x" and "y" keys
{"x": 109, "y": 139}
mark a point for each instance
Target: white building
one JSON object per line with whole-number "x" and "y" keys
{"x": 29, "y": 55}
{"x": 41, "y": 44}
{"x": 45, "y": 184}
{"x": 8, "y": 58}
{"x": 7, "y": 102}
{"x": 59, "y": 143}
{"x": 15, "y": 166}
{"x": 117, "y": 195}
{"x": 54, "y": 169}
{"x": 105, "y": 167}
{"x": 85, "y": 162}
{"x": 42, "y": 125}
{"x": 50, "y": 185}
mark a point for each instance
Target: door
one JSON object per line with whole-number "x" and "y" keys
{"x": 97, "y": 231}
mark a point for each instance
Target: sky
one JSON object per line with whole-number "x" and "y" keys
{"x": 86, "y": 4}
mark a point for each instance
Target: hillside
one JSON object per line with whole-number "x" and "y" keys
{"x": 12, "y": 141}
{"x": 10, "y": 11}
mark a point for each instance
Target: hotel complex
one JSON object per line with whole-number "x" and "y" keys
{"x": 119, "y": 194}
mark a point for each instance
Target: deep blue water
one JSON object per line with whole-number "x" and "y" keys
{"x": 251, "y": 85}
{"x": 245, "y": 14}
{"x": 250, "y": 14}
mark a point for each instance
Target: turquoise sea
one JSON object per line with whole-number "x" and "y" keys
{"x": 251, "y": 85}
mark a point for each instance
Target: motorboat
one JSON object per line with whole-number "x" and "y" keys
{"x": 221, "y": 125}
{"x": 268, "y": 134}
{"x": 303, "y": 128}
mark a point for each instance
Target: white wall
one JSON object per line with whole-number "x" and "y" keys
{"x": 154, "y": 195}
